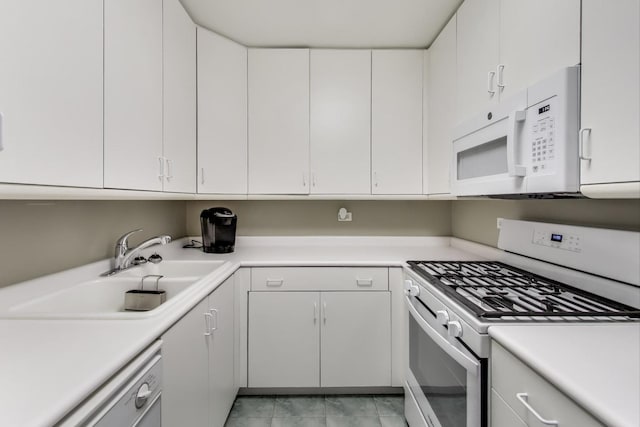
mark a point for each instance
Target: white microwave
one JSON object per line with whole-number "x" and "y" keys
{"x": 527, "y": 147}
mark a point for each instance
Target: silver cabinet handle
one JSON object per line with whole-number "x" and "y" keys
{"x": 490, "y": 78}
{"x": 169, "y": 169}
{"x": 214, "y": 317}
{"x": 304, "y": 180}
{"x": 202, "y": 176}
{"x": 501, "y": 76}
{"x": 315, "y": 312}
{"x": 522, "y": 397}
{"x": 375, "y": 179}
{"x": 161, "y": 168}
{"x": 275, "y": 282}
{"x": 207, "y": 324}
{"x": 581, "y": 143}
{"x": 313, "y": 179}
{"x": 364, "y": 282}
{"x": 324, "y": 312}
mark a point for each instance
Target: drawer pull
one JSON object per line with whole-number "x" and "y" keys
{"x": 275, "y": 282}
{"x": 364, "y": 282}
{"x": 523, "y": 398}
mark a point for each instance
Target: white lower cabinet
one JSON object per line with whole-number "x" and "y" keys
{"x": 319, "y": 339}
{"x": 521, "y": 397}
{"x": 355, "y": 337}
{"x": 198, "y": 363}
{"x": 284, "y": 339}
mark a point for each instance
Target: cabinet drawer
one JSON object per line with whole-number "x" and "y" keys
{"x": 510, "y": 377}
{"x": 319, "y": 279}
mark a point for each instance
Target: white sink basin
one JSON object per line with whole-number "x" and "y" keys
{"x": 170, "y": 269}
{"x": 103, "y": 298}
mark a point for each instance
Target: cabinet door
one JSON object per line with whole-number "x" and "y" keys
{"x": 222, "y": 115}
{"x": 185, "y": 364}
{"x": 133, "y": 94}
{"x": 340, "y": 96}
{"x": 356, "y": 339}
{"x": 396, "y": 121}
{"x": 278, "y": 121}
{"x": 611, "y": 91}
{"x": 222, "y": 390}
{"x": 537, "y": 38}
{"x": 284, "y": 339}
{"x": 51, "y": 92}
{"x": 442, "y": 109}
{"x": 340, "y": 111}
{"x": 179, "y": 103}
{"x": 501, "y": 414}
{"x": 477, "y": 55}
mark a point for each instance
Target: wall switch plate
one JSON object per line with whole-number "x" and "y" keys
{"x": 499, "y": 223}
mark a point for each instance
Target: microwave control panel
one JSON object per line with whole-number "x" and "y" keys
{"x": 543, "y": 137}
{"x": 567, "y": 242}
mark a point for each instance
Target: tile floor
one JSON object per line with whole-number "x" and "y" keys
{"x": 317, "y": 411}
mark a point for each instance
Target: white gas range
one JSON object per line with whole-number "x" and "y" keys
{"x": 570, "y": 274}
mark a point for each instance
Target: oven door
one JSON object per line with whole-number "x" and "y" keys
{"x": 488, "y": 150}
{"x": 444, "y": 378}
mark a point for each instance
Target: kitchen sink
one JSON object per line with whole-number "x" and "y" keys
{"x": 104, "y": 297}
{"x": 170, "y": 269}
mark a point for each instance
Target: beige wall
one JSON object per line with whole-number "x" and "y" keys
{"x": 39, "y": 238}
{"x": 302, "y": 217}
{"x": 476, "y": 219}
{"x": 44, "y": 237}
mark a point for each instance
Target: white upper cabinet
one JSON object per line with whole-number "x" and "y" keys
{"x": 537, "y": 38}
{"x": 504, "y": 46}
{"x": 340, "y": 91}
{"x": 51, "y": 92}
{"x": 396, "y": 121}
{"x": 133, "y": 95}
{"x": 179, "y": 98}
{"x": 441, "y": 76}
{"x": 222, "y": 115}
{"x": 611, "y": 93}
{"x": 278, "y": 121}
{"x": 478, "y": 36}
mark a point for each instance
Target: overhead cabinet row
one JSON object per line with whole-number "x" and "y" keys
{"x": 493, "y": 49}
{"x": 319, "y": 121}
{"x": 60, "y": 126}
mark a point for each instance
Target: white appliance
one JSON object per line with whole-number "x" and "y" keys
{"x": 451, "y": 305}
{"x": 525, "y": 147}
{"x": 131, "y": 398}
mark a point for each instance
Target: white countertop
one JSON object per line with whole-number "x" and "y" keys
{"x": 597, "y": 365}
{"x": 48, "y": 367}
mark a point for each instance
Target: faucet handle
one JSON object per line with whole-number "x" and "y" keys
{"x": 123, "y": 240}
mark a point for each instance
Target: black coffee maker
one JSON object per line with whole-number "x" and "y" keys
{"x": 218, "y": 230}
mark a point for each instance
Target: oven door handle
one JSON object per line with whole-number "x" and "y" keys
{"x": 469, "y": 364}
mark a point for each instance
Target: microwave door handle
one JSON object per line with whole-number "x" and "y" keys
{"x": 470, "y": 365}
{"x": 515, "y": 119}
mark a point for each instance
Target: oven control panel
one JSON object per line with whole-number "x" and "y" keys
{"x": 567, "y": 242}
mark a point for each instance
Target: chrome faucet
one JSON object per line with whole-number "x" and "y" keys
{"x": 124, "y": 255}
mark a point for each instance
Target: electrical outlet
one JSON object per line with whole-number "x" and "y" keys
{"x": 344, "y": 215}
{"x": 499, "y": 223}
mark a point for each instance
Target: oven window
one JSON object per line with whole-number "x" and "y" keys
{"x": 483, "y": 160}
{"x": 441, "y": 379}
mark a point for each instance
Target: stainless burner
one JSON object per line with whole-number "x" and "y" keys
{"x": 493, "y": 290}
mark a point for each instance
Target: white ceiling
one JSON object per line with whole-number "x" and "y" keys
{"x": 327, "y": 23}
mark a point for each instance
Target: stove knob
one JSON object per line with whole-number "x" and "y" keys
{"x": 411, "y": 289}
{"x": 455, "y": 329}
{"x": 442, "y": 317}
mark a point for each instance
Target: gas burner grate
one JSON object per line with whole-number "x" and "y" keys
{"x": 493, "y": 290}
